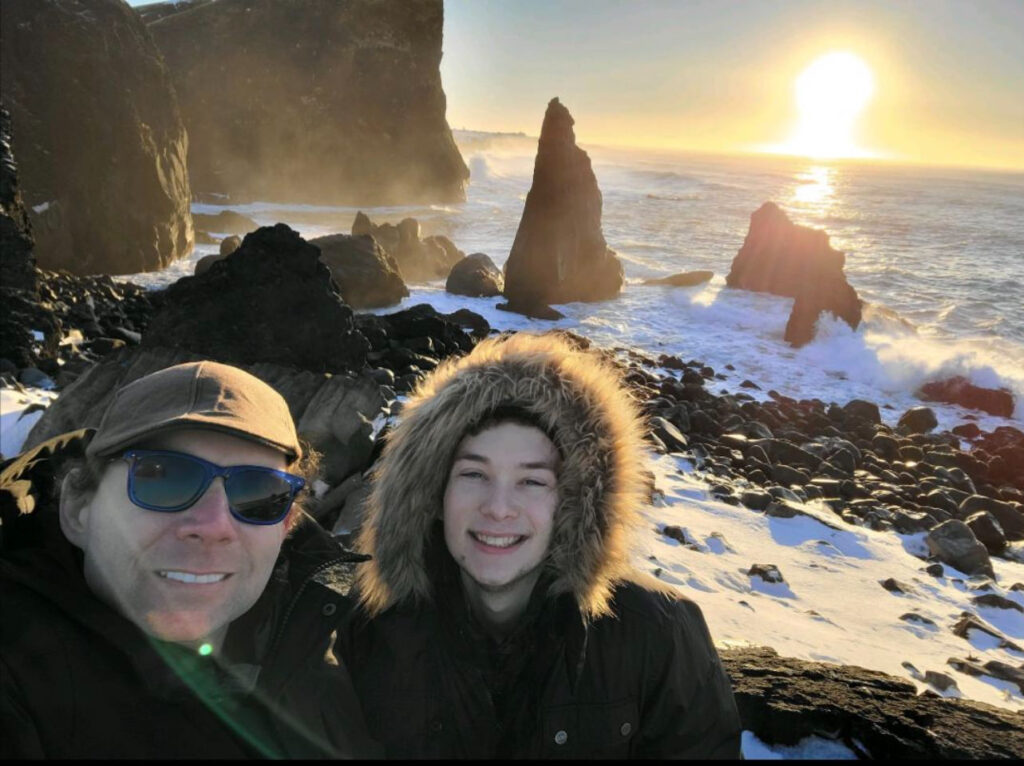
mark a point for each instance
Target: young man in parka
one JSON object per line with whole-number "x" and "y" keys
{"x": 499, "y": 616}
{"x": 164, "y": 600}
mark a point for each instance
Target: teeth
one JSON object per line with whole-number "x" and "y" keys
{"x": 503, "y": 541}
{"x": 188, "y": 577}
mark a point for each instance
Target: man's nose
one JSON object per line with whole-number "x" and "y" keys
{"x": 501, "y": 503}
{"x": 209, "y": 518}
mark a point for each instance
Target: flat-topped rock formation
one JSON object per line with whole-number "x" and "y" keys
{"x": 784, "y": 700}
{"x": 319, "y": 101}
{"x": 559, "y": 254}
{"x": 100, "y": 143}
{"x": 784, "y": 258}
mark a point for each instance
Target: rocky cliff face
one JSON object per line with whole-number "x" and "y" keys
{"x": 559, "y": 253}
{"x": 327, "y": 101}
{"x": 16, "y": 261}
{"x": 100, "y": 144}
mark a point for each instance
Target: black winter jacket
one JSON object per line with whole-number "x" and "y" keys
{"x": 645, "y": 683}
{"x": 79, "y": 680}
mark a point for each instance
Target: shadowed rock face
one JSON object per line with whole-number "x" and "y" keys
{"x": 783, "y": 700}
{"x": 326, "y": 101}
{"x": 16, "y": 261}
{"x": 366, "y": 276}
{"x": 559, "y": 253}
{"x": 272, "y": 300}
{"x": 783, "y": 258}
{"x": 100, "y": 143}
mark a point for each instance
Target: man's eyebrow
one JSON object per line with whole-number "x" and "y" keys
{"x": 533, "y": 464}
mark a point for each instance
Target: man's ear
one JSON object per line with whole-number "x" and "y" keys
{"x": 74, "y": 510}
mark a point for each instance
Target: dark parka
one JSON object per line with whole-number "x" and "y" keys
{"x": 79, "y": 680}
{"x": 605, "y": 663}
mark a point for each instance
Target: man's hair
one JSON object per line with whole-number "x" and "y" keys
{"x": 511, "y": 413}
{"x": 85, "y": 474}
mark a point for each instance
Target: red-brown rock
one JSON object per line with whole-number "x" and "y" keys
{"x": 784, "y": 258}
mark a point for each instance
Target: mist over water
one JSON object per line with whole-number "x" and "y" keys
{"x": 937, "y": 254}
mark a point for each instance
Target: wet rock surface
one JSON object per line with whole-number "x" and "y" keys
{"x": 115, "y": 133}
{"x": 959, "y": 390}
{"x": 684, "y": 279}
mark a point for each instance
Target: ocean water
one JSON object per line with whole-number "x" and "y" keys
{"x": 936, "y": 253}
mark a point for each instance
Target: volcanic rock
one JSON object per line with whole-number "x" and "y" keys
{"x": 100, "y": 143}
{"x": 203, "y": 264}
{"x": 313, "y": 101}
{"x": 17, "y": 264}
{"x": 1009, "y": 515}
{"x": 228, "y": 245}
{"x": 784, "y": 258}
{"x": 559, "y": 254}
{"x": 959, "y": 390}
{"x": 272, "y": 300}
{"x": 418, "y": 259}
{"x": 858, "y": 409}
{"x": 475, "y": 276}
{"x": 987, "y": 530}
{"x": 954, "y": 543}
{"x": 767, "y": 572}
{"x": 225, "y": 222}
{"x": 785, "y": 700}
{"x": 917, "y": 420}
{"x": 685, "y": 279}
{"x": 366, "y": 276}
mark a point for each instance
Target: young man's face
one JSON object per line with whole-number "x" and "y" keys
{"x": 181, "y": 576}
{"x": 499, "y": 505}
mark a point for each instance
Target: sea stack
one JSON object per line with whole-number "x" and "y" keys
{"x": 784, "y": 258}
{"x": 100, "y": 144}
{"x": 559, "y": 253}
{"x": 315, "y": 101}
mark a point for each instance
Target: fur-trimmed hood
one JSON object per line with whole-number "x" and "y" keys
{"x": 585, "y": 410}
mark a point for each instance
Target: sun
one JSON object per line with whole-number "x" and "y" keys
{"x": 830, "y": 95}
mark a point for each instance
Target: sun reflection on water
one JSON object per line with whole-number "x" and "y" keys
{"x": 815, "y": 188}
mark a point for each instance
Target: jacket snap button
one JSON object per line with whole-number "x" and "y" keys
{"x": 561, "y": 738}
{"x": 626, "y": 729}
{"x": 329, "y": 609}
{"x": 436, "y": 726}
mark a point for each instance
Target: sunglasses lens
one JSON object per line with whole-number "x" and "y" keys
{"x": 167, "y": 482}
{"x": 259, "y": 496}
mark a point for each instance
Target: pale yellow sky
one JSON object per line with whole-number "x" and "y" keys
{"x": 719, "y": 75}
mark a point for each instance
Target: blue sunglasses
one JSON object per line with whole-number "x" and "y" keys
{"x": 167, "y": 482}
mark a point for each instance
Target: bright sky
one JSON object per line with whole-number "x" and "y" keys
{"x": 720, "y": 75}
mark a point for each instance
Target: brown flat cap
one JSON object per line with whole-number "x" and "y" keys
{"x": 196, "y": 395}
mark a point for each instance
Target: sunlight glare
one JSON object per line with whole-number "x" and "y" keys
{"x": 830, "y": 95}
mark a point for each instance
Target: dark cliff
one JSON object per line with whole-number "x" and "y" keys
{"x": 99, "y": 140}
{"x": 326, "y": 101}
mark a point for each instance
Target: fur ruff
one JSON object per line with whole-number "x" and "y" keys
{"x": 592, "y": 420}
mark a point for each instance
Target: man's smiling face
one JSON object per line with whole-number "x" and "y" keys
{"x": 181, "y": 576}
{"x": 499, "y": 507}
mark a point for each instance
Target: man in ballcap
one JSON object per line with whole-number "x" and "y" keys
{"x": 160, "y": 592}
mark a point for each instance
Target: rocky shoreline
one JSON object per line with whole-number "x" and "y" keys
{"x": 964, "y": 490}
